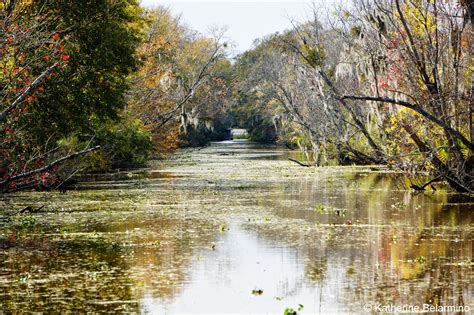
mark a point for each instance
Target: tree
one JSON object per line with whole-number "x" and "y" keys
{"x": 178, "y": 66}
{"x": 23, "y": 162}
{"x": 424, "y": 71}
{"x": 388, "y": 82}
{"x": 292, "y": 78}
{"x": 99, "y": 38}
{"x": 59, "y": 83}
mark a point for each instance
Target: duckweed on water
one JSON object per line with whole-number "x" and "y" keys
{"x": 167, "y": 240}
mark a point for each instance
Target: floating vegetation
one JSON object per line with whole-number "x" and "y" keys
{"x": 110, "y": 243}
{"x": 24, "y": 221}
{"x": 257, "y": 292}
{"x": 291, "y": 311}
{"x": 350, "y": 270}
{"x": 420, "y": 259}
{"x": 24, "y": 278}
{"x": 64, "y": 230}
{"x": 399, "y": 205}
{"x": 322, "y": 209}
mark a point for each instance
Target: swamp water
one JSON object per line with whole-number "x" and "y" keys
{"x": 237, "y": 228}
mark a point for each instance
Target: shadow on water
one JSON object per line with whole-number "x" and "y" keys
{"x": 235, "y": 227}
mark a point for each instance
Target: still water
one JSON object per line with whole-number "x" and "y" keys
{"x": 237, "y": 228}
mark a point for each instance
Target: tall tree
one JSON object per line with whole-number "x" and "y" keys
{"x": 178, "y": 65}
{"x": 424, "y": 68}
{"x": 99, "y": 38}
{"x": 58, "y": 81}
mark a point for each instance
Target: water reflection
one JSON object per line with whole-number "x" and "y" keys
{"x": 223, "y": 279}
{"x": 205, "y": 229}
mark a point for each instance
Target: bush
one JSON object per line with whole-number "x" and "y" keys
{"x": 127, "y": 143}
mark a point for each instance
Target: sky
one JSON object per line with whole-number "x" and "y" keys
{"x": 245, "y": 20}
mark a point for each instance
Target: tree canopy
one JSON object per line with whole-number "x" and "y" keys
{"x": 376, "y": 82}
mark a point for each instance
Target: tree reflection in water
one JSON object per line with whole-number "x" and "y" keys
{"x": 157, "y": 243}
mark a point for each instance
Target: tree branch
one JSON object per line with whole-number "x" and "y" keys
{"x": 417, "y": 109}
{"x": 299, "y": 163}
{"x": 422, "y": 187}
{"x": 190, "y": 92}
{"x": 28, "y": 91}
{"x": 48, "y": 166}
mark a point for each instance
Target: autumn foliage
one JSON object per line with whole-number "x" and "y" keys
{"x": 386, "y": 82}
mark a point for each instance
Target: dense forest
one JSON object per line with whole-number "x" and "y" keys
{"x": 98, "y": 85}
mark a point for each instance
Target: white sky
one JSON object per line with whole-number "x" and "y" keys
{"x": 246, "y": 20}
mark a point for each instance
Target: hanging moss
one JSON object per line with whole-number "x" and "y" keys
{"x": 356, "y": 31}
{"x": 315, "y": 56}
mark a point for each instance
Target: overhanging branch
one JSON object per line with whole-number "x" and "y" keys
{"x": 48, "y": 166}
{"x": 417, "y": 109}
